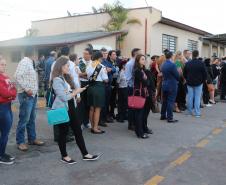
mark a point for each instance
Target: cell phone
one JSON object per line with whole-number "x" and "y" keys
{"x": 86, "y": 86}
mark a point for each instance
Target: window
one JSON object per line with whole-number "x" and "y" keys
{"x": 16, "y": 56}
{"x": 169, "y": 42}
{"x": 192, "y": 45}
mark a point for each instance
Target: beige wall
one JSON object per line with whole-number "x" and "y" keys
{"x": 70, "y": 24}
{"x": 135, "y": 37}
{"x": 109, "y": 41}
{"x": 182, "y": 37}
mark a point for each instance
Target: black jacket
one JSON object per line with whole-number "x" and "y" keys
{"x": 195, "y": 72}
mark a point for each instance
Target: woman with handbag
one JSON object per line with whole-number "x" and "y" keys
{"x": 7, "y": 94}
{"x": 65, "y": 96}
{"x": 140, "y": 89}
{"x": 97, "y": 75}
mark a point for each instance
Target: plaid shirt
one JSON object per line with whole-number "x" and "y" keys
{"x": 26, "y": 76}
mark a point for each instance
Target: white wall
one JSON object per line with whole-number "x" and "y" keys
{"x": 182, "y": 38}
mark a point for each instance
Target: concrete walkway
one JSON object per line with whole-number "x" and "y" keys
{"x": 191, "y": 152}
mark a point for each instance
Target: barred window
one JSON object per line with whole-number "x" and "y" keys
{"x": 169, "y": 42}
{"x": 192, "y": 45}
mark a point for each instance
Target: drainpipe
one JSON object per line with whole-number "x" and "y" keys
{"x": 145, "y": 36}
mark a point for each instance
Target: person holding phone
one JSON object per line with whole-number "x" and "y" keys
{"x": 66, "y": 95}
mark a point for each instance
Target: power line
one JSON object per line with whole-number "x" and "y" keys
{"x": 146, "y": 2}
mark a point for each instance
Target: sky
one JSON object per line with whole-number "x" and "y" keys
{"x": 16, "y": 15}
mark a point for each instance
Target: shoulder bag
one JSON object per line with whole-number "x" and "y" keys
{"x": 57, "y": 116}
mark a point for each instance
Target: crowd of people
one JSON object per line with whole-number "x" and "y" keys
{"x": 95, "y": 89}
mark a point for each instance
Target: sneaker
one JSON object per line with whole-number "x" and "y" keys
{"x": 89, "y": 125}
{"x": 9, "y": 157}
{"x": 209, "y": 105}
{"x": 198, "y": 116}
{"x": 93, "y": 158}
{"x": 68, "y": 162}
{"x": 5, "y": 160}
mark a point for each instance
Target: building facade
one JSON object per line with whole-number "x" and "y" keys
{"x": 153, "y": 35}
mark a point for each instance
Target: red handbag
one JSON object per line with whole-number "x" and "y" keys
{"x": 136, "y": 102}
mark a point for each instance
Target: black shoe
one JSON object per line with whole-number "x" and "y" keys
{"x": 172, "y": 121}
{"x": 162, "y": 118}
{"x": 93, "y": 158}
{"x": 102, "y": 124}
{"x": 9, "y": 157}
{"x": 100, "y": 132}
{"x": 149, "y": 131}
{"x": 68, "y": 162}
{"x": 5, "y": 160}
{"x": 110, "y": 120}
{"x": 145, "y": 136}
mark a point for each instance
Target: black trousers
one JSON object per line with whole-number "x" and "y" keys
{"x": 147, "y": 107}
{"x": 122, "y": 103}
{"x": 205, "y": 95}
{"x": 131, "y": 114}
{"x": 75, "y": 125}
{"x": 181, "y": 94}
{"x": 223, "y": 90}
{"x": 139, "y": 122}
{"x": 84, "y": 108}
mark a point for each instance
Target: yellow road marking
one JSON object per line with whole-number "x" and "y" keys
{"x": 180, "y": 160}
{"x": 202, "y": 143}
{"x": 217, "y": 131}
{"x": 155, "y": 180}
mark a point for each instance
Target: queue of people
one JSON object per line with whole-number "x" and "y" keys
{"x": 95, "y": 90}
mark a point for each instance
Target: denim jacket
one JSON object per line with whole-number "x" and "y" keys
{"x": 62, "y": 93}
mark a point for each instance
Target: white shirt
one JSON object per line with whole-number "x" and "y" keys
{"x": 102, "y": 76}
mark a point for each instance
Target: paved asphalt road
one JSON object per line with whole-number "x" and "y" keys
{"x": 191, "y": 152}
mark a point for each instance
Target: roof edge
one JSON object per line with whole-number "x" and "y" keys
{"x": 183, "y": 26}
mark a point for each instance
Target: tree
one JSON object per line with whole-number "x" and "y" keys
{"x": 31, "y": 32}
{"x": 119, "y": 17}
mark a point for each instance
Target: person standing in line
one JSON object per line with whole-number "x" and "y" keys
{"x": 122, "y": 92}
{"x": 66, "y": 94}
{"x": 195, "y": 75}
{"x": 7, "y": 95}
{"x": 181, "y": 93}
{"x": 113, "y": 100}
{"x": 108, "y": 88}
{"x": 223, "y": 79}
{"x": 40, "y": 66}
{"x": 186, "y": 55}
{"x": 169, "y": 88}
{"x": 48, "y": 65}
{"x": 130, "y": 82}
{"x": 97, "y": 75}
{"x": 140, "y": 89}
{"x": 27, "y": 82}
{"x": 83, "y": 63}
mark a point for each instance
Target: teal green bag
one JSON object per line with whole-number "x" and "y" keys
{"x": 57, "y": 116}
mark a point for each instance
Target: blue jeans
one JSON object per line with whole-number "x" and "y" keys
{"x": 6, "y": 120}
{"x": 168, "y": 99}
{"x": 27, "y": 117}
{"x": 194, "y": 99}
